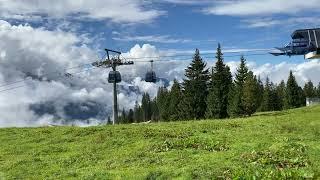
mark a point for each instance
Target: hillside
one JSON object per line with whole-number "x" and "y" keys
{"x": 271, "y": 145}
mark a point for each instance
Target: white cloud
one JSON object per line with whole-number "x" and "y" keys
{"x": 294, "y": 21}
{"x": 120, "y": 11}
{"x": 265, "y": 7}
{"x": 86, "y": 98}
{"x": 151, "y": 38}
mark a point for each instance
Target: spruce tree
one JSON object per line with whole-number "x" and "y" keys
{"x": 309, "y": 90}
{"x": 130, "y": 116}
{"x": 155, "y": 110}
{"x": 261, "y": 90}
{"x": 236, "y": 104}
{"x": 318, "y": 91}
{"x": 137, "y": 113}
{"x": 292, "y": 93}
{"x": 163, "y": 100}
{"x": 195, "y": 89}
{"x": 281, "y": 93}
{"x": 250, "y": 94}
{"x": 221, "y": 80}
{"x": 146, "y": 107}
{"x": 175, "y": 98}
{"x": 267, "y": 102}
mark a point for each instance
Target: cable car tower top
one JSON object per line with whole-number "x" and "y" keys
{"x": 304, "y": 42}
{"x": 114, "y": 75}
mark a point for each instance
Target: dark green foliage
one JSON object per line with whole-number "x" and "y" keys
{"x": 260, "y": 92}
{"x": 109, "y": 121}
{"x": 146, "y": 107}
{"x": 250, "y": 96}
{"x": 293, "y": 99}
{"x": 175, "y": 99}
{"x": 267, "y": 103}
{"x": 195, "y": 89}
{"x": 163, "y": 100}
{"x": 318, "y": 91}
{"x": 309, "y": 90}
{"x": 281, "y": 95}
{"x": 138, "y": 114}
{"x": 221, "y": 80}
{"x": 154, "y": 110}
{"x": 236, "y": 105}
{"x": 130, "y": 116}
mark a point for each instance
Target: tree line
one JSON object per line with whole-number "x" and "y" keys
{"x": 214, "y": 94}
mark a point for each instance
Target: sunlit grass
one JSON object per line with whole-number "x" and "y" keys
{"x": 270, "y": 145}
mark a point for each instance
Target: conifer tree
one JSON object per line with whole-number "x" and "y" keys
{"x": 155, "y": 110}
{"x": 267, "y": 103}
{"x": 221, "y": 80}
{"x": 309, "y": 90}
{"x": 292, "y": 93}
{"x": 146, "y": 107}
{"x": 236, "y": 104}
{"x": 123, "y": 117}
{"x": 261, "y": 90}
{"x": 195, "y": 89}
{"x": 281, "y": 93}
{"x": 250, "y": 94}
{"x": 137, "y": 113}
{"x": 163, "y": 100}
{"x": 175, "y": 98}
{"x": 318, "y": 91}
{"x": 130, "y": 116}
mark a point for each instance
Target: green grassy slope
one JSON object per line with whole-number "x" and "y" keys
{"x": 270, "y": 145}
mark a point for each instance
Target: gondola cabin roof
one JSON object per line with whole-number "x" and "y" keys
{"x": 303, "y": 33}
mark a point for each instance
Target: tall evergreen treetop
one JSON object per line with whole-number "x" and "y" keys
{"x": 236, "y": 105}
{"x": 292, "y": 92}
{"x": 195, "y": 89}
{"x": 217, "y": 102}
{"x": 309, "y": 90}
{"x": 242, "y": 72}
{"x": 250, "y": 94}
{"x": 175, "y": 99}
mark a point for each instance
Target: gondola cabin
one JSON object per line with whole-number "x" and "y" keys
{"x": 151, "y": 77}
{"x": 114, "y": 77}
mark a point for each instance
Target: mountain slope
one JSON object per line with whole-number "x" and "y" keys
{"x": 272, "y": 145}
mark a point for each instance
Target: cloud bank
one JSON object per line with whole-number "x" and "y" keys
{"x": 86, "y": 98}
{"x": 135, "y": 10}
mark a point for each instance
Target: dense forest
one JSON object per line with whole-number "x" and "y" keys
{"x": 215, "y": 94}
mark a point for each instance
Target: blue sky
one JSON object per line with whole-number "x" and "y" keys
{"x": 181, "y": 25}
{"x": 38, "y": 37}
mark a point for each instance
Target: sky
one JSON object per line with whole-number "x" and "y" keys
{"x": 40, "y": 40}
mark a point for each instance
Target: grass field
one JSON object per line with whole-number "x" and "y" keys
{"x": 270, "y": 145}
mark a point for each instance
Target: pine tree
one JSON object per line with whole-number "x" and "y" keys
{"x": 250, "y": 94}
{"x": 292, "y": 93}
{"x": 281, "y": 93}
{"x": 195, "y": 89}
{"x": 236, "y": 104}
{"x": 137, "y": 113}
{"x": 155, "y": 110}
{"x": 309, "y": 90}
{"x": 109, "y": 120}
{"x": 221, "y": 80}
{"x": 175, "y": 99}
{"x": 123, "y": 117}
{"x": 318, "y": 91}
{"x": 146, "y": 107}
{"x": 130, "y": 116}
{"x": 260, "y": 92}
{"x": 267, "y": 103}
{"x": 163, "y": 100}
